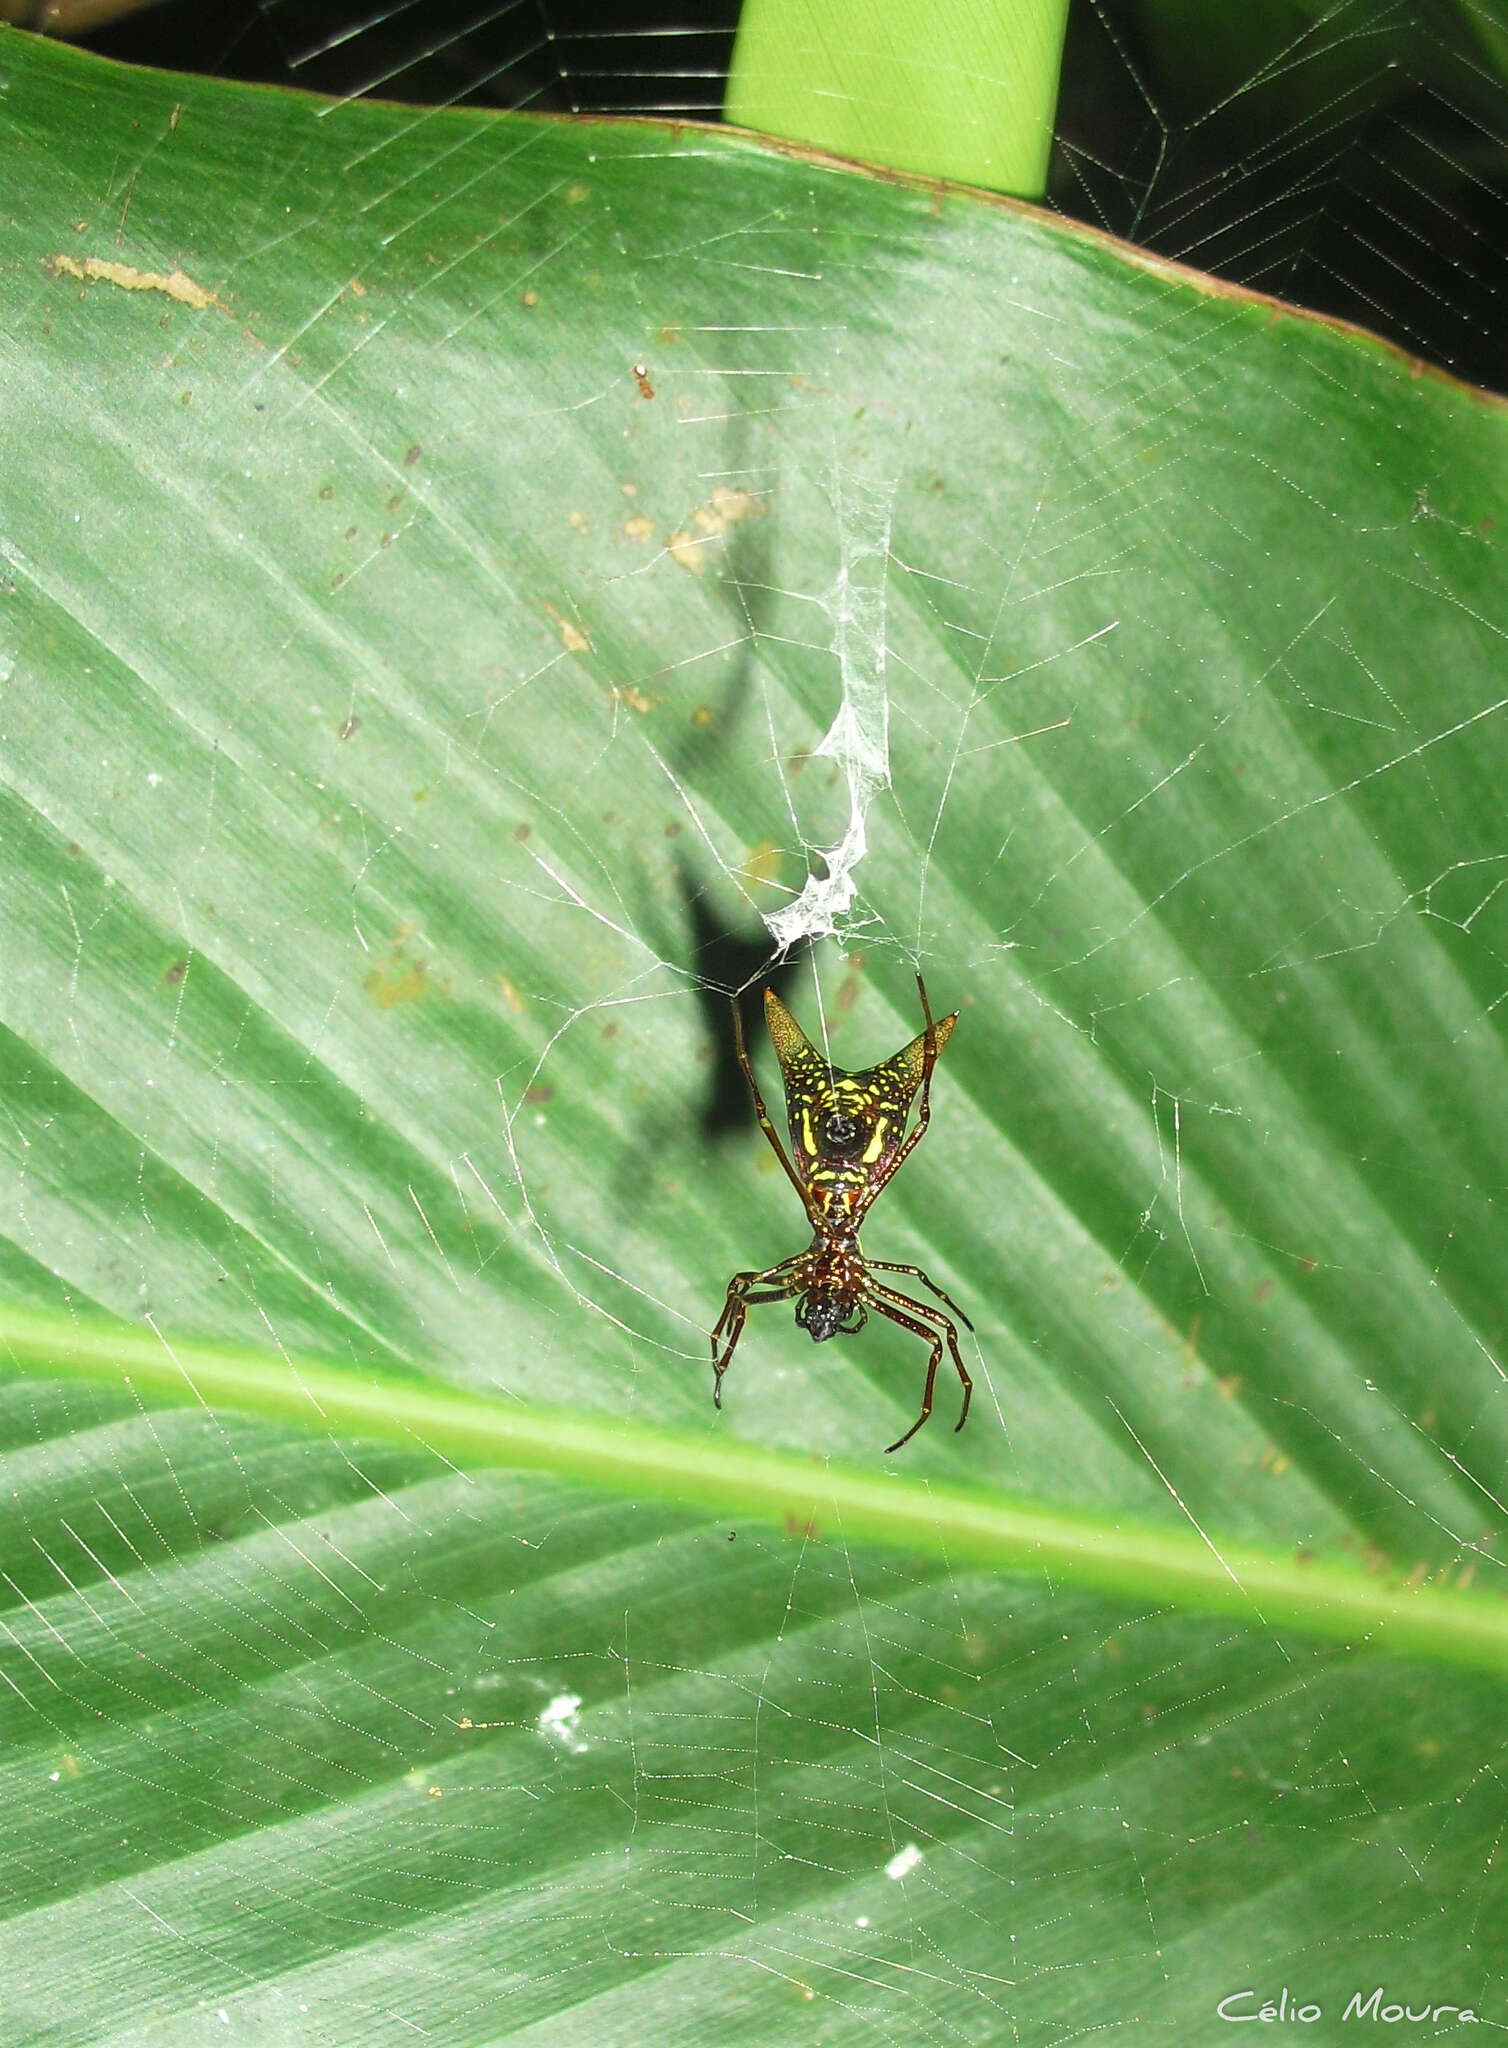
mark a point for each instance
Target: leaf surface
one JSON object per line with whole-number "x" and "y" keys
{"x": 395, "y": 701}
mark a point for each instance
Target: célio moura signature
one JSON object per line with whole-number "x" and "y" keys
{"x": 1373, "y": 2005}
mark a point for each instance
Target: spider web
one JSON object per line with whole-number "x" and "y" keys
{"x": 1090, "y": 705}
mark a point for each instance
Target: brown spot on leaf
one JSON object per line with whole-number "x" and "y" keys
{"x": 851, "y": 985}
{"x": 173, "y": 284}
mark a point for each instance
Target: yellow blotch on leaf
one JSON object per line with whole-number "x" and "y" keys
{"x": 400, "y": 976}
{"x": 173, "y": 284}
{"x": 726, "y": 508}
{"x": 761, "y": 863}
{"x": 572, "y": 639}
{"x": 683, "y": 547}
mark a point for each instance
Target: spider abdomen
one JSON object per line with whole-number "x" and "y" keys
{"x": 820, "y": 1315}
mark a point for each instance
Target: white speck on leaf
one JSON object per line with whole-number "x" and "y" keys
{"x": 561, "y": 1722}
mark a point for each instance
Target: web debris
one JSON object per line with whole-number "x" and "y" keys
{"x": 859, "y": 737}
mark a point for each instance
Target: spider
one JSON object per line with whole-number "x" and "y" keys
{"x": 848, "y": 1135}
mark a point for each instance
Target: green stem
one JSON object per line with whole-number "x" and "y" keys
{"x": 1263, "y": 1588}
{"x": 962, "y": 89}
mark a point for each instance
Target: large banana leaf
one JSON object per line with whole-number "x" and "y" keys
{"x": 396, "y": 697}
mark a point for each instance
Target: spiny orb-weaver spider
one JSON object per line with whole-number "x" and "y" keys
{"x": 848, "y": 1134}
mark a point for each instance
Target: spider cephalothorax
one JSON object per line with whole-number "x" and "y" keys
{"x": 848, "y": 1136}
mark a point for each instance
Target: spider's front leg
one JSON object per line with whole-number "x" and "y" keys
{"x": 745, "y": 1291}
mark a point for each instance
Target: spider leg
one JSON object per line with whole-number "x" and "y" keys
{"x": 763, "y": 1114}
{"x": 886, "y": 1266}
{"x": 923, "y": 1101}
{"x": 745, "y": 1291}
{"x": 899, "y": 1309}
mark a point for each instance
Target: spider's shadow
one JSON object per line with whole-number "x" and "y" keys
{"x": 728, "y": 960}
{"x": 724, "y": 959}
{"x": 722, "y": 956}
{"x": 717, "y": 953}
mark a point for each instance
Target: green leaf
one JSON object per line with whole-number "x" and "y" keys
{"x": 395, "y": 698}
{"x": 965, "y": 1524}
{"x": 951, "y": 88}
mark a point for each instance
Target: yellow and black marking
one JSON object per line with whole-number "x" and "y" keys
{"x": 846, "y": 1128}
